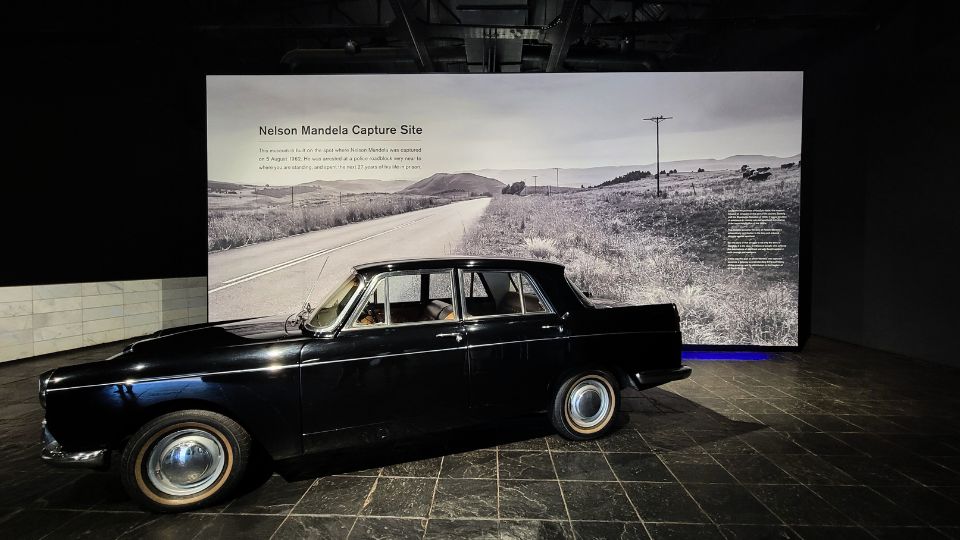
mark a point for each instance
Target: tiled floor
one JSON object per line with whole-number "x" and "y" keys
{"x": 836, "y": 442}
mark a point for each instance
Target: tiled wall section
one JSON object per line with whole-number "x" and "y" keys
{"x": 41, "y": 319}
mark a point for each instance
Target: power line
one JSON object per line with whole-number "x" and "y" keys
{"x": 656, "y": 120}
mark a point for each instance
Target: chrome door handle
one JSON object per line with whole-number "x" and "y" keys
{"x": 552, "y": 326}
{"x": 456, "y": 335}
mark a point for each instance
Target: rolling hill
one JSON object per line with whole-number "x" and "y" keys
{"x": 446, "y": 182}
{"x": 214, "y": 185}
{"x": 361, "y": 185}
{"x": 589, "y": 176}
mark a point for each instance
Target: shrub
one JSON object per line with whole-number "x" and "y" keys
{"x": 629, "y": 177}
{"x": 229, "y": 229}
{"x": 541, "y": 248}
{"x": 514, "y": 189}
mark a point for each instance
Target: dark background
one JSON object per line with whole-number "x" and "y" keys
{"x": 105, "y": 173}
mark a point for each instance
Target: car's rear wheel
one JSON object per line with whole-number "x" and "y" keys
{"x": 185, "y": 460}
{"x": 585, "y": 405}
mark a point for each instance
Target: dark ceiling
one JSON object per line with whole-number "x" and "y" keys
{"x": 476, "y": 35}
{"x": 532, "y": 35}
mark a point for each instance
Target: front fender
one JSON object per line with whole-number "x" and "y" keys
{"x": 266, "y": 402}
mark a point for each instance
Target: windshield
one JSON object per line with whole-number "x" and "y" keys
{"x": 333, "y": 306}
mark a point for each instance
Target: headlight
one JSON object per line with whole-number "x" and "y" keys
{"x": 42, "y": 387}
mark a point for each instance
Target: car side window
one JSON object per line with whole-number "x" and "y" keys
{"x": 409, "y": 297}
{"x": 505, "y": 293}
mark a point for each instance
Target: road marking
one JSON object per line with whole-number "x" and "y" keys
{"x": 303, "y": 258}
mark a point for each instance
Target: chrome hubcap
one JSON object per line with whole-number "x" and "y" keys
{"x": 185, "y": 462}
{"x": 588, "y": 403}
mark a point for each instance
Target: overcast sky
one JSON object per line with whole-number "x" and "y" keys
{"x": 511, "y": 120}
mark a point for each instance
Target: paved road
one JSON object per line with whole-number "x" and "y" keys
{"x": 275, "y": 277}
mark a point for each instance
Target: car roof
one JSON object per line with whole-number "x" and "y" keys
{"x": 508, "y": 263}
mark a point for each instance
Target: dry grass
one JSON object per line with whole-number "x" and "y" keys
{"x": 240, "y": 227}
{"x": 623, "y": 243}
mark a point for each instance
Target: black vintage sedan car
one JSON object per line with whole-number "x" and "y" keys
{"x": 400, "y": 347}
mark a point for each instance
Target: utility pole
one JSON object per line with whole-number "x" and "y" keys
{"x": 291, "y": 196}
{"x": 656, "y": 120}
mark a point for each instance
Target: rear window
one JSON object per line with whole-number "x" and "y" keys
{"x": 583, "y": 298}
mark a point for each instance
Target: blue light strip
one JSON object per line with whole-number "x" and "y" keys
{"x": 726, "y": 356}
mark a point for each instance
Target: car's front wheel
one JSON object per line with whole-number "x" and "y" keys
{"x": 585, "y": 405}
{"x": 185, "y": 460}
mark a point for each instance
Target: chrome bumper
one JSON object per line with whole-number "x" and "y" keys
{"x": 53, "y": 454}
{"x": 662, "y": 376}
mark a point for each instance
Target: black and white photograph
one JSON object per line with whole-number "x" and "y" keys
{"x": 649, "y": 188}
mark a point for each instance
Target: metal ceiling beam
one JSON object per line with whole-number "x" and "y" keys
{"x": 785, "y": 22}
{"x": 298, "y": 30}
{"x": 480, "y": 31}
{"x": 409, "y": 25}
{"x": 560, "y": 35}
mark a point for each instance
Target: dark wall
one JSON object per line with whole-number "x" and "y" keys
{"x": 105, "y": 178}
{"x": 884, "y": 154}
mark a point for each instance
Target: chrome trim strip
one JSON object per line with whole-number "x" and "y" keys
{"x": 623, "y": 333}
{"x": 176, "y": 377}
{"x": 319, "y": 361}
{"x": 513, "y": 342}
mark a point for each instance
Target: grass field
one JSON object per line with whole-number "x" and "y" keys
{"x": 242, "y": 219}
{"x": 622, "y": 242}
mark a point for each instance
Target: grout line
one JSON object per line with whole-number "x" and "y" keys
{"x": 498, "y": 483}
{"x": 684, "y": 487}
{"x": 366, "y": 501}
{"x": 292, "y": 508}
{"x": 560, "y": 485}
{"x": 433, "y": 497}
{"x": 627, "y": 495}
{"x": 737, "y": 481}
{"x": 853, "y": 525}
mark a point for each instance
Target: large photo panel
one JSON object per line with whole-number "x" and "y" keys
{"x": 309, "y": 176}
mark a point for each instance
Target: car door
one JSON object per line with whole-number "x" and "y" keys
{"x": 516, "y": 341}
{"x": 390, "y": 370}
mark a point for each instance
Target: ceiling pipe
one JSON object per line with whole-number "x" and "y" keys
{"x": 534, "y": 57}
